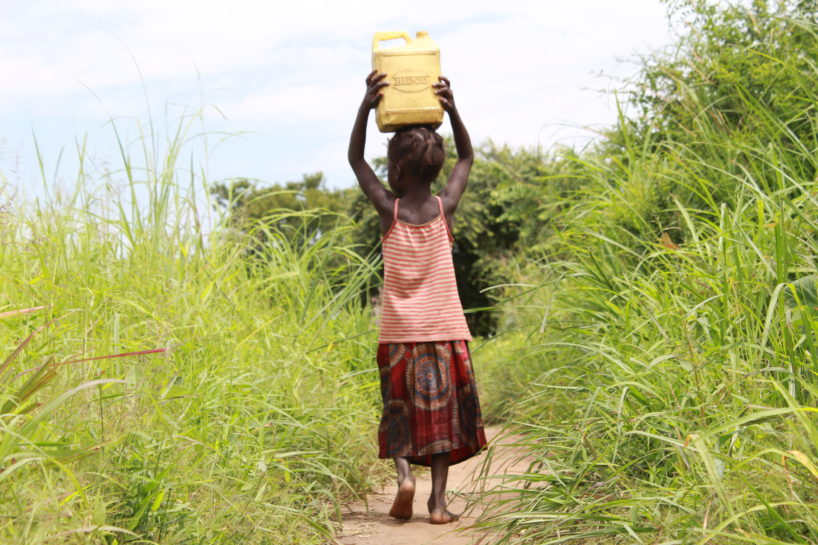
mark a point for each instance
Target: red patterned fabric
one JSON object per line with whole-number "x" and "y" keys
{"x": 430, "y": 402}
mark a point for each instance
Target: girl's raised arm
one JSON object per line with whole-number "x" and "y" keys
{"x": 374, "y": 190}
{"x": 450, "y": 195}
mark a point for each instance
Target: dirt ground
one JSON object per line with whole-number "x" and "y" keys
{"x": 376, "y": 527}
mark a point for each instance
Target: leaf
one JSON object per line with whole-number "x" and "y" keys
{"x": 803, "y": 293}
{"x": 803, "y": 459}
{"x": 10, "y": 313}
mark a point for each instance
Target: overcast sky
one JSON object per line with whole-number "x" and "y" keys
{"x": 286, "y": 77}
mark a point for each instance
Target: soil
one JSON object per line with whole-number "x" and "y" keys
{"x": 376, "y": 527}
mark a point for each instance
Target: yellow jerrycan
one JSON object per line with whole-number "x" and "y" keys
{"x": 410, "y": 69}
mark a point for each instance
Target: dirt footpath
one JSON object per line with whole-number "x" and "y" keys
{"x": 376, "y": 527}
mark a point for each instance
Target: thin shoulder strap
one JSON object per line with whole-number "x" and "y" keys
{"x": 395, "y": 211}
{"x": 445, "y": 221}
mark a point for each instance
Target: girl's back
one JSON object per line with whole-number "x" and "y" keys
{"x": 420, "y": 299}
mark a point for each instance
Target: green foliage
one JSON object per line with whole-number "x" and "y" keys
{"x": 661, "y": 354}
{"x": 250, "y": 425}
{"x": 248, "y": 204}
{"x": 741, "y": 77}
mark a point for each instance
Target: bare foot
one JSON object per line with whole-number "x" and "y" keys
{"x": 436, "y": 517}
{"x": 402, "y": 506}
{"x": 440, "y": 515}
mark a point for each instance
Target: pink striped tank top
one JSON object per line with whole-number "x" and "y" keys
{"x": 420, "y": 300}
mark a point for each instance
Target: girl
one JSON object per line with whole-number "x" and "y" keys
{"x": 431, "y": 414}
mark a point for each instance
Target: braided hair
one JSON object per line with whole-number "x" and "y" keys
{"x": 420, "y": 150}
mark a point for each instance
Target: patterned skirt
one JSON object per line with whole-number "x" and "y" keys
{"x": 430, "y": 402}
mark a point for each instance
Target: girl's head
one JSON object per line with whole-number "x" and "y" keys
{"x": 416, "y": 154}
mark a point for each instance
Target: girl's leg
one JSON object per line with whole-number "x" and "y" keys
{"x": 402, "y": 506}
{"x": 437, "y": 501}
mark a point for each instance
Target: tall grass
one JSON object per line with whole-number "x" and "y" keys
{"x": 240, "y": 403}
{"x": 669, "y": 386}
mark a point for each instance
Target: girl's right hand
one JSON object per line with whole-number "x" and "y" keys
{"x": 374, "y": 84}
{"x": 443, "y": 89}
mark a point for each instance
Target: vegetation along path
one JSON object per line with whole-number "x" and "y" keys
{"x": 375, "y": 526}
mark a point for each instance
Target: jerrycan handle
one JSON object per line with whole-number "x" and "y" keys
{"x": 383, "y": 36}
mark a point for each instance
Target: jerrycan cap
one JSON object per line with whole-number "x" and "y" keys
{"x": 422, "y": 34}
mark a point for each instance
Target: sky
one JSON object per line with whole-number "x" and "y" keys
{"x": 278, "y": 83}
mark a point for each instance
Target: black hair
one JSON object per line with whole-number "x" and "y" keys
{"x": 418, "y": 149}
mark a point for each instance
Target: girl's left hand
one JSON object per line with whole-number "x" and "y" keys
{"x": 444, "y": 92}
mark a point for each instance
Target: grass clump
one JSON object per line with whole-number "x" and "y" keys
{"x": 238, "y": 402}
{"x": 669, "y": 380}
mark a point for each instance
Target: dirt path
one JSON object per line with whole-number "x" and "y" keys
{"x": 376, "y": 527}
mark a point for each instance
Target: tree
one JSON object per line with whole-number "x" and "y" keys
{"x": 282, "y": 207}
